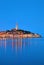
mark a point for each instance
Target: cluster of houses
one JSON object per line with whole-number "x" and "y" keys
{"x": 17, "y": 33}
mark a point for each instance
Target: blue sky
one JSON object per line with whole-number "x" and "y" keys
{"x": 29, "y": 14}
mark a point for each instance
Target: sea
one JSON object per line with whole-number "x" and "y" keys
{"x": 22, "y": 51}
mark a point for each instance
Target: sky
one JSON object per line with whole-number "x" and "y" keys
{"x": 29, "y": 14}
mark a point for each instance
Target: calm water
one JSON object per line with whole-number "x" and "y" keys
{"x": 22, "y": 51}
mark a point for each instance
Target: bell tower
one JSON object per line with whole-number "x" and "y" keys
{"x": 16, "y": 26}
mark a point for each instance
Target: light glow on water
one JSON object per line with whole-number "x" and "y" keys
{"x": 22, "y": 51}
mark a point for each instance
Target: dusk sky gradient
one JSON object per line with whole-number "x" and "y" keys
{"x": 29, "y": 14}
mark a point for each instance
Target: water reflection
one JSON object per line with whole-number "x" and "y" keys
{"x": 28, "y": 50}
{"x": 17, "y": 43}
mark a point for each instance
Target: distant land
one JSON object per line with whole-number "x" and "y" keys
{"x": 18, "y": 33}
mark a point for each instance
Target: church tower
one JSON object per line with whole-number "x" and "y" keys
{"x": 16, "y": 26}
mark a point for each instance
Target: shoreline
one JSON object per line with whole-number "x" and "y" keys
{"x": 19, "y": 36}
{"x": 18, "y": 33}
